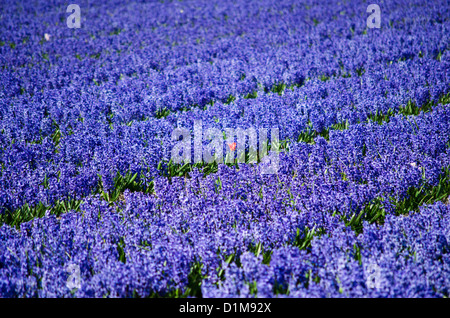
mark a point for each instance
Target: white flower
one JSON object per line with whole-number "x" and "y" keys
{"x": 414, "y": 165}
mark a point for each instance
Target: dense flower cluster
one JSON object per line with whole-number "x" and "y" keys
{"x": 358, "y": 208}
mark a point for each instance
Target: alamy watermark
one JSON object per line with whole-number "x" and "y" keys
{"x": 374, "y": 20}
{"x": 373, "y": 276}
{"x": 73, "y": 20}
{"x": 74, "y": 279}
{"x": 235, "y": 146}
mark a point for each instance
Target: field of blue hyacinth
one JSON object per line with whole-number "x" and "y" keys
{"x": 92, "y": 204}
